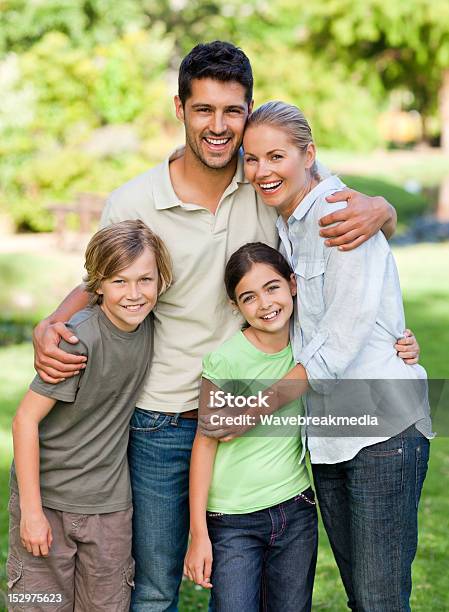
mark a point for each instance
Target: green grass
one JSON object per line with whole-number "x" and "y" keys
{"x": 424, "y": 273}
{"x": 428, "y": 167}
{"x": 407, "y": 205}
{"x": 29, "y": 287}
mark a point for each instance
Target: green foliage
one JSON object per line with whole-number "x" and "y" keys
{"x": 405, "y": 43}
{"x": 341, "y": 112}
{"x": 85, "y": 22}
{"x": 68, "y": 67}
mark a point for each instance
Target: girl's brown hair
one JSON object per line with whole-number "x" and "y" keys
{"x": 117, "y": 246}
{"x": 242, "y": 260}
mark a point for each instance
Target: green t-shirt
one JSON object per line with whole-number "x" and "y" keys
{"x": 263, "y": 467}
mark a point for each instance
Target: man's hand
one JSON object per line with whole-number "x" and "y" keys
{"x": 408, "y": 348}
{"x": 361, "y": 219}
{"x": 35, "y": 533}
{"x": 198, "y": 561}
{"x": 51, "y": 363}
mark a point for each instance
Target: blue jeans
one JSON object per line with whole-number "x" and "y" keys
{"x": 265, "y": 560}
{"x": 369, "y": 507}
{"x": 159, "y": 457}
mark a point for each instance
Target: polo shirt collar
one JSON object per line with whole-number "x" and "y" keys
{"x": 163, "y": 192}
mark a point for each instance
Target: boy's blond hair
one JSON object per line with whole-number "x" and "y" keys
{"x": 117, "y": 246}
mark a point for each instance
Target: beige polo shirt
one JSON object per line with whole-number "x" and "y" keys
{"x": 194, "y": 316}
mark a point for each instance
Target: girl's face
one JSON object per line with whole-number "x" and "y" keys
{"x": 130, "y": 294}
{"x": 264, "y": 297}
{"x": 276, "y": 168}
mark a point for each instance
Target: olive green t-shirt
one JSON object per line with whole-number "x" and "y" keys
{"x": 84, "y": 437}
{"x": 263, "y": 467}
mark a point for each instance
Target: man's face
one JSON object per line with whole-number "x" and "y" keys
{"x": 214, "y": 117}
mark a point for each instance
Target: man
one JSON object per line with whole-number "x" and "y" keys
{"x": 200, "y": 204}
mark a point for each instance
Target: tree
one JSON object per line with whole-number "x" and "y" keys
{"x": 402, "y": 44}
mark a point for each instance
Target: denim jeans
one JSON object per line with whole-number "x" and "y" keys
{"x": 265, "y": 560}
{"x": 159, "y": 457}
{"x": 369, "y": 507}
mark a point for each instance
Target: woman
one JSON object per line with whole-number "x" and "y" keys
{"x": 349, "y": 312}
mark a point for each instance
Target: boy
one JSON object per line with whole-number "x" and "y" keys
{"x": 70, "y": 506}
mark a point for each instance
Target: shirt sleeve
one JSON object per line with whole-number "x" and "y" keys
{"x": 107, "y": 215}
{"x": 217, "y": 369}
{"x": 66, "y": 390}
{"x": 353, "y": 283}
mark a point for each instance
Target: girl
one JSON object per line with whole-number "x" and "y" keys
{"x": 70, "y": 505}
{"x": 350, "y": 308}
{"x": 252, "y": 508}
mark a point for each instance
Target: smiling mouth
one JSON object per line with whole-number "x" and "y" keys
{"x": 271, "y": 315}
{"x": 270, "y": 187}
{"x": 217, "y": 143}
{"x": 133, "y": 307}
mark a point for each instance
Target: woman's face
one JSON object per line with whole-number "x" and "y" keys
{"x": 276, "y": 168}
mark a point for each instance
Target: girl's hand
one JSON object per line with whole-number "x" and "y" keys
{"x": 408, "y": 348}
{"x": 198, "y": 561}
{"x": 35, "y": 533}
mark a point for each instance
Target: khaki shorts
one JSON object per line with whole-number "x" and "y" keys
{"x": 89, "y": 567}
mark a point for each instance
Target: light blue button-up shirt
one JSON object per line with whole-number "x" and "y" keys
{"x": 348, "y": 316}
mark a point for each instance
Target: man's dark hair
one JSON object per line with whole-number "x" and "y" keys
{"x": 217, "y": 60}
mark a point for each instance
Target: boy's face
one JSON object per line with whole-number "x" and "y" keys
{"x": 131, "y": 293}
{"x": 214, "y": 117}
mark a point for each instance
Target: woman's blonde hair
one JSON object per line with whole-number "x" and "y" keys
{"x": 288, "y": 118}
{"x": 117, "y": 246}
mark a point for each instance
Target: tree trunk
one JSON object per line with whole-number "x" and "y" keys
{"x": 444, "y": 111}
{"x": 443, "y": 201}
{"x": 443, "y": 198}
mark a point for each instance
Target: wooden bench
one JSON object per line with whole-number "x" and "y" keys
{"x": 87, "y": 207}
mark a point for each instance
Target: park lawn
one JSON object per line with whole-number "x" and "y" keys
{"x": 424, "y": 273}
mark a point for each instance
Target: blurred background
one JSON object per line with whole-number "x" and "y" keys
{"x": 86, "y": 90}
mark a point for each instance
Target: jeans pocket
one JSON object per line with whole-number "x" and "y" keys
{"x": 147, "y": 420}
{"x": 307, "y": 496}
{"x": 421, "y": 461}
{"x": 393, "y": 447}
{"x": 394, "y": 452}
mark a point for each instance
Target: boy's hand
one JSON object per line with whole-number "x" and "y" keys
{"x": 198, "y": 561}
{"x": 52, "y": 363}
{"x": 35, "y": 533}
{"x": 361, "y": 219}
{"x": 408, "y": 348}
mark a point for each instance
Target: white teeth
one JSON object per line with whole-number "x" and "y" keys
{"x": 271, "y": 315}
{"x": 134, "y": 307}
{"x": 217, "y": 141}
{"x": 270, "y": 185}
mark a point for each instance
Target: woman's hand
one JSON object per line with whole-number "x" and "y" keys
{"x": 35, "y": 533}
{"x": 198, "y": 561}
{"x": 362, "y": 218}
{"x": 408, "y": 348}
